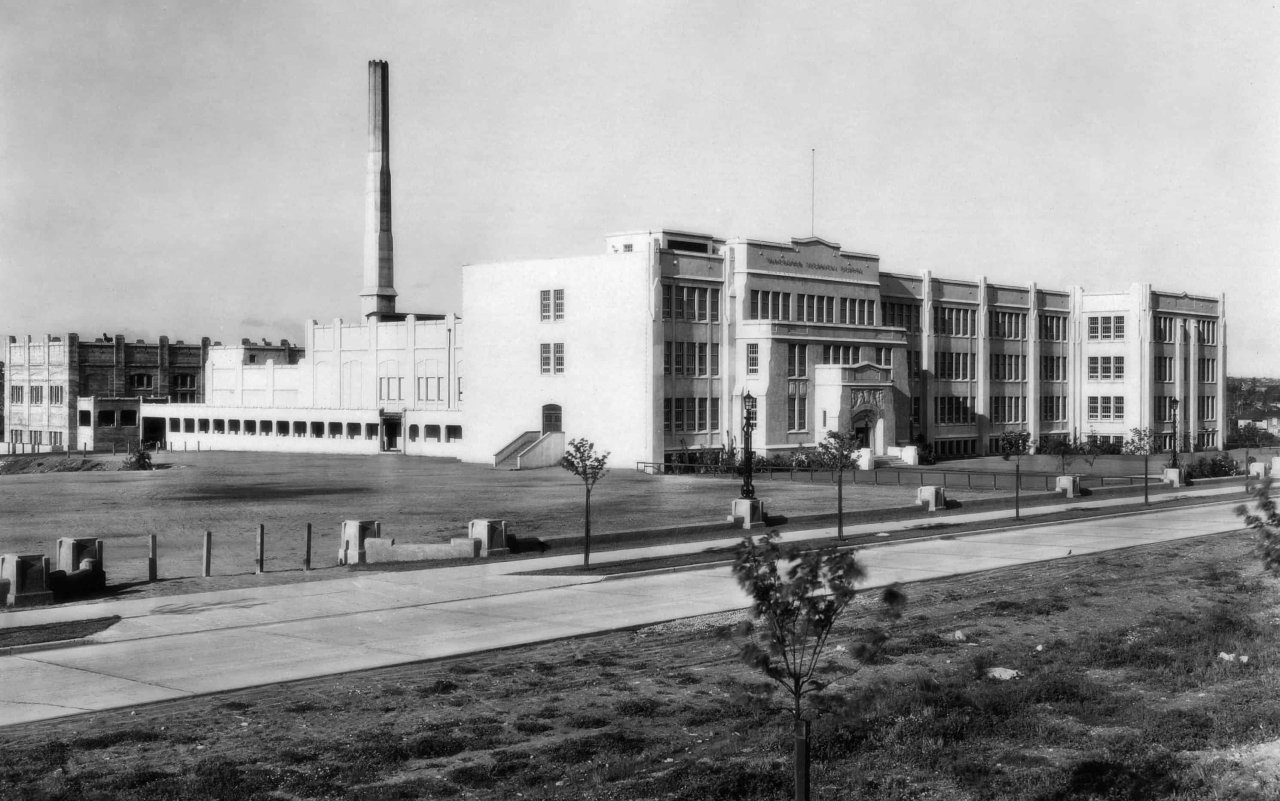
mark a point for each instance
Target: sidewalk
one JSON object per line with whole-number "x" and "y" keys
{"x": 171, "y": 647}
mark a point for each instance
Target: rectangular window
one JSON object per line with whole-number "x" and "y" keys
{"x": 1164, "y": 369}
{"x": 715, "y": 415}
{"x": 56, "y": 396}
{"x": 544, "y": 304}
{"x": 702, "y": 414}
{"x": 667, "y": 291}
{"x": 558, "y": 354}
{"x": 714, "y": 303}
{"x": 545, "y": 352}
{"x": 1207, "y": 331}
{"x": 37, "y": 437}
{"x": 1093, "y": 328}
{"x": 666, "y": 357}
{"x": 797, "y": 405}
{"x": 678, "y": 361}
{"x": 557, "y": 304}
{"x": 666, "y": 414}
{"x": 37, "y": 396}
{"x": 797, "y": 361}
{"x": 141, "y": 381}
{"x": 1164, "y": 329}
{"x": 753, "y": 358}
{"x": 1207, "y": 369}
{"x": 715, "y": 358}
{"x": 1053, "y": 328}
{"x": 1053, "y": 408}
{"x": 15, "y": 394}
{"x": 702, "y": 358}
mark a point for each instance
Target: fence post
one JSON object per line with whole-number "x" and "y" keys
{"x": 306, "y": 553}
{"x": 262, "y": 545}
{"x": 208, "y": 554}
{"x": 151, "y": 559}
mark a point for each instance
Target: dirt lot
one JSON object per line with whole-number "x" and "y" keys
{"x": 417, "y": 500}
{"x": 1123, "y": 696}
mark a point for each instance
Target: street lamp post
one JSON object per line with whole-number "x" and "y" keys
{"x": 748, "y": 424}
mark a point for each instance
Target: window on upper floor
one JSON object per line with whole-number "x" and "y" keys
{"x": 753, "y": 358}
{"x": 1106, "y": 327}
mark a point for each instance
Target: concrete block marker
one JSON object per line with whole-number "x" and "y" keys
{"x": 749, "y": 512}
{"x": 351, "y": 545}
{"x": 1068, "y": 485}
{"x": 931, "y": 497}
{"x": 28, "y": 578}
{"x": 79, "y": 567}
{"x": 491, "y": 534}
{"x": 1172, "y": 476}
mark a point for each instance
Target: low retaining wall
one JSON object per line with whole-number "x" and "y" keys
{"x": 382, "y": 550}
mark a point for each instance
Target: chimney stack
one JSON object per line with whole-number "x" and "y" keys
{"x": 378, "y": 295}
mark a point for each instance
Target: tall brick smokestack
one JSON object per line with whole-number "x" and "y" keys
{"x": 378, "y": 295}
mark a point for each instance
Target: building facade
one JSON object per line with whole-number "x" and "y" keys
{"x": 650, "y": 348}
{"x": 51, "y": 378}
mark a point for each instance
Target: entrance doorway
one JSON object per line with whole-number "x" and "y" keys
{"x": 864, "y": 427}
{"x": 391, "y": 433}
{"x": 551, "y": 419}
{"x": 153, "y": 433}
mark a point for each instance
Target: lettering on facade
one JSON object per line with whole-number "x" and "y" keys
{"x": 845, "y": 269}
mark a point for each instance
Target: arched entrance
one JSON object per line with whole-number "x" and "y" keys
{"x": 552, "y": 420}
{"x": 863, "y": 425}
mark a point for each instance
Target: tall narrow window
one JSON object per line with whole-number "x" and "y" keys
{"x": 753, "y": 363}
{"x": 557, "y": 304}
{"x": 545, "y": 304}
{"x": 558, "y": 353}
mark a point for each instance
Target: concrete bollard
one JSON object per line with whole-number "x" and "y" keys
{"x": 306, "y": 553}
{"x": 262, "y": 548}
{"x": 932, "y": 497}
{"x": 151, "y": 559}
{"x": 208, "y": 554}
{"x": 1069, "y": 485}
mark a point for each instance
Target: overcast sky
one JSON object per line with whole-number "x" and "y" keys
{"x": 197, "y": 169}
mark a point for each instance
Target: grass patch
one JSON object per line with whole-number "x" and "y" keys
{"x": 55, "y": 632}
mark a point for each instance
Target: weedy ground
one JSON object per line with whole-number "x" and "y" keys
{"x": 1123, "y": 695}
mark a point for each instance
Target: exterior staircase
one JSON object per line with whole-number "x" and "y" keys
{"x": 887, "y": 461}
{"x": 509, "y": 457}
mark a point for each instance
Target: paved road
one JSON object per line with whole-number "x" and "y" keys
{"x": 177, "y": 646}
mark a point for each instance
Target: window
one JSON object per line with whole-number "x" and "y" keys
{"x": 15, "y": 436}
{"x": 37, "y": 395}
{"x": 753, "y": 358}
{"x": 840, "y": 354}
{"x": 953, "y": 411}
{"x": 551, "y": 304}
{"x": 1053, "y": 408}
{"x": 715, "y": 358}
{"x": 955, "y": 366}
{"x": 1006, "y": 409}
{"x": 1164, "y": 369}
{"x": 557, "y": 303}
{"x": 858, "y": 311}
{"x": 557, "y": 352}
{"x": 1207, "y": 330}
{"x": 429, "y": 388}
{"x": 884, "y": 357}
{"x": 1008, "y": 367}
{"x": 128, "y": 417}
{"x": 1053, "y": 328}
{"x": 816, "y": 308}
{"x": 15, "y": 394}
{"x": 1207, "y": 373}
{"x": 544, "y": 305}
{"x": 106, "y": 418}
{"x": 1106, "y": 368}
{"x": 797, "y": 405}
{"x": 37, "y": 437}
{"x": 1164, "y": 409}
{"x": 1106, "y": 407}
{"x": 1165, "y": 328}
{"x": 1007, "y": 325}
{"x": 1053, "y": 368}
{"x": 545, "y": 351}
{"x": 1208, "y": 407}
{"x": 901, "y": 315}
{"x": 1106, "y": 327}
{"x": 144, "y": 380}
{"x": 183, "y": 386}
{"x": 949, "y": 321}
{"x": 797, "y": 361}
{"x": 390, "y": 388}
{"x": 769, "y": 305}
{"x": 55, "y": 439}
{"x": 84, "y": 418}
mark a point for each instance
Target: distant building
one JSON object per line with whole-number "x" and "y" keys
{"x": 52, "y": 378}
